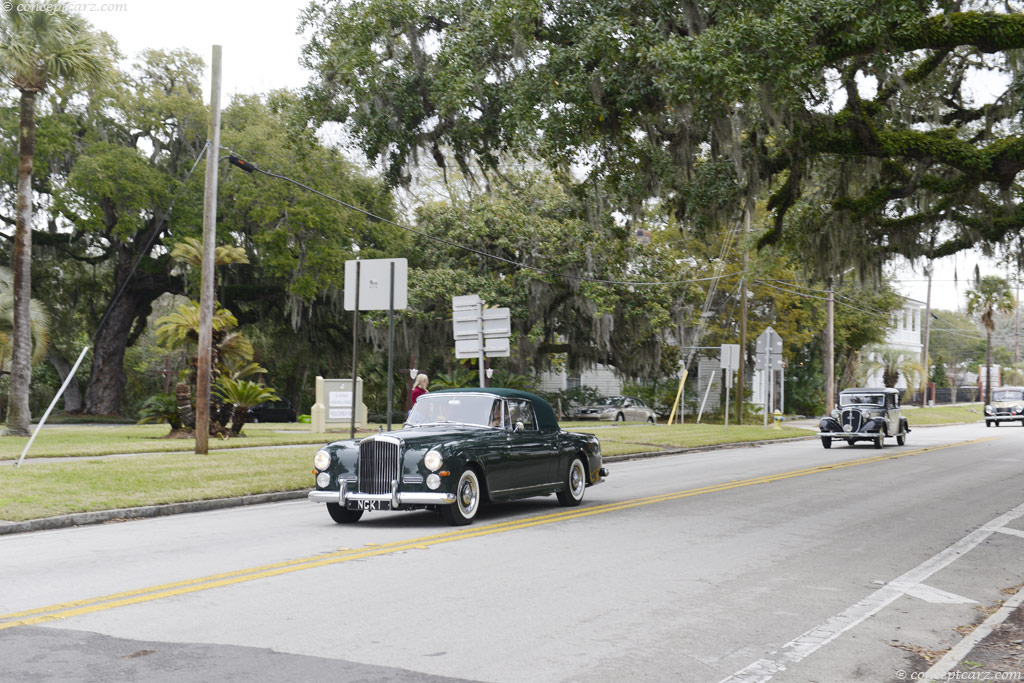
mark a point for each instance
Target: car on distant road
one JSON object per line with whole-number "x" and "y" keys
{"x": 865, "y": 414}
{"x": 1007, "y": 406}
{"x": 459, "y": 448}
{"x": 273, "y": 411}
{"x": 616, "y": 409}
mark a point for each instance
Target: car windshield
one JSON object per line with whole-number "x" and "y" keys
{"x": 468, "y": 409}
{"x": 862, "y": 399}
{"x": 609, "y": 401}
{"x": 1008, "y": 395}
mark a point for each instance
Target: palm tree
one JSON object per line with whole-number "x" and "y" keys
{"x": 244, "y": 395}
{"x": 892, "y": 363}
{"x": 987, "y": 296}
{"x": 37, "y": 48}
{"x": 39, "y": 321}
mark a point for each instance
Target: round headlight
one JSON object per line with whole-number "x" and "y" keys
{"x": 988, "y": 410}
{"x": 322, "y": 460}
{"x": 323, "y": 480}
{"x": 835, "y": 413}
{"x": 433, "y": 481}
{"x": 1018, "y": 409}
{"x": 432, "y": 461}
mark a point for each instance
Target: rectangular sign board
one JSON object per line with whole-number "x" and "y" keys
{"x": 375, "y": 284}
{"x": 497, "y": 322}
{"x": 467, "y": 348}
{"x": 498, "y": 347}
{"x": 466, "y": 324}
{"x": 730, "y": 356}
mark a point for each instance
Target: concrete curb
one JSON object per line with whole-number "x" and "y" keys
{"x": 147, "y": 511}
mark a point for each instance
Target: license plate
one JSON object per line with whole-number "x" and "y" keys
{"x": 372, "y": 504}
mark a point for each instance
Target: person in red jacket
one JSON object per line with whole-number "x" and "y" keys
{"x": 418, "y": 389}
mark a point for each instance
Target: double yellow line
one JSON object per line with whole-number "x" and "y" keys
{"x": 107, "y": 602}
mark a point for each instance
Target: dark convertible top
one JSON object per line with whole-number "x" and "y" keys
{"x": 545, "y": 415}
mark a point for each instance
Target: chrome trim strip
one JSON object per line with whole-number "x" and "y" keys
{"x": 412, "y": 479}
{"x": 1001, "y": 418}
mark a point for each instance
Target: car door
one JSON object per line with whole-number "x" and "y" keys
{"x": 892, "y": 407}
{"x": 532, "y": 455}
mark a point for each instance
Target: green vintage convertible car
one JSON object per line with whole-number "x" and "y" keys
{"x": 459, "y": 448}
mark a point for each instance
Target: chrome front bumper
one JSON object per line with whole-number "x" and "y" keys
{"x": 852, "y": 435}
{"x": 1003, "y": 418}
{"x": 395, "y": 499}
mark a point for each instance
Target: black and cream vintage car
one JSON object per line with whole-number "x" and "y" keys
{"x": 1007, "y": 406}
{"x": 459, "y": 448}
{"x": 868, "y": 414}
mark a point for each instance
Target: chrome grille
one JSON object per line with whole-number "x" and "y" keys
{"x": 379, "y": 464}
{"x": 1002, "y": 411}
{"x": 853, "y": 418}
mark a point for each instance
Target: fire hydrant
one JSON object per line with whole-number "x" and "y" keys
{"x": 777, "y": 419}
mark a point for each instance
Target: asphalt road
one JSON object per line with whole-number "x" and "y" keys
{"x": 784, "y": 562}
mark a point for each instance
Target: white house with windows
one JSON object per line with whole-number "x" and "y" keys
{"x": 905, "y": 333}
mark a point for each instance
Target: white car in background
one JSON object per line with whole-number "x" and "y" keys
{"x": 616, "y": 409}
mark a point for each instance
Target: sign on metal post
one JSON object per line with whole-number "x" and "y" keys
{"x": 376, "y": 285}
{"x": 480, "y": 332}
{"x": 769, "y": 358}
{"x": 729, "y": 360}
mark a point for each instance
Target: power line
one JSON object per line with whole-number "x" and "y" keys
{"x": 249, "y": 167}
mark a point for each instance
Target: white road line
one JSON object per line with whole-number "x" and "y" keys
{"x": 809, "y": 642}
{"x": 963, "y": 648}
{"x": 937, "y": 596}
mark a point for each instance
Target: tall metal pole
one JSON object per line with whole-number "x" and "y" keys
{"x": 391, "y": 343}
{"x": 203, "y": 370}
{"x": 830, "y": 354}
{"x": 355, "y": 355}
{"x": 925, "y": 361}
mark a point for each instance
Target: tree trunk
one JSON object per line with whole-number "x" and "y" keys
{"x": 73, "y": 394}
{"x": 18, "y": 413}
{"x": 988, "y": 366}
{"x": 107, "y": 378}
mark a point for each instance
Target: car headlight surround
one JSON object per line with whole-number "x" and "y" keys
{"x": 433, "y": 481}
{"x": 1018, "y": 409}
{"x": 433, "y": 460}
{"x": 323, "y": 480}
{"x": 988, "y": 410}
{"x": 322, "y": 460}
{"x": 835, "y": 413}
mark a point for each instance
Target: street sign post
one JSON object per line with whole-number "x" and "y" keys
{"x": 769, "y": 358}
{"x": 729, "y": 360}
{"x": 376, "y": 285}
{"x": 480, "y": 332}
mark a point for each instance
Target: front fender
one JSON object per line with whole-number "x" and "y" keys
{"x": 829, "y": 424}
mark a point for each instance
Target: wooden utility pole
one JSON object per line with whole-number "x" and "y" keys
{"x": 741, "y": 371}
{"x": 203, "y": 370}
{"x": 830, "y": 354}
{"x": 927, "y": 333}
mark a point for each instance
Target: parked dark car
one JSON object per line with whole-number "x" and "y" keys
{"x": 459, "y": 448}
{"x": 868, "y": 414}
{"x": 273, "y": 411}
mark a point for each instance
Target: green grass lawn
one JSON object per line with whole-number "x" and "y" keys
{"x": 967, "y": 412}
{"x": 44, "y": 489}
{"x": 58, "y": 441}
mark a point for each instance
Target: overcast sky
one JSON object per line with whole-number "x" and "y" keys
{"x": 261, "y": 52}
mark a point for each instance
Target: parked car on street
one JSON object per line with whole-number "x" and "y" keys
{"x": 273, "y": 411}
{"x": 617, "y": 409}
{"x": 868, "y": 414}
{"x": 459, "y": 448}
{"x": 1007, "y": 406}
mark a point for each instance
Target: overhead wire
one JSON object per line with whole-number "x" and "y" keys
{"x": 249, "y": 167}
